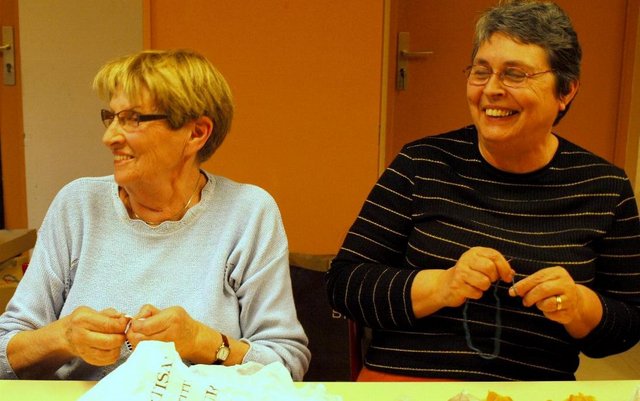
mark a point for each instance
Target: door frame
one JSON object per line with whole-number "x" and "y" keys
{"x": 628, "y": 130}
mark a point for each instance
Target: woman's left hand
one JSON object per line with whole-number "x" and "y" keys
{"x": 554, "y": 292}
{"x": 172, "y": 324}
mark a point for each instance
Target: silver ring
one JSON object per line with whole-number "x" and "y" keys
{"x": 515, "y": 289}
{"x": 558, "y": 302}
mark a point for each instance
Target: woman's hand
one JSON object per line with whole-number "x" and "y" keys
{"x": 474, "y": 273}
{"x": 554, "y": 292}
{"x": 470, "y": 277}
{"x": 96, "y": 337}
{"x": 169, "y": 325}
{"x": 194, "y": 341}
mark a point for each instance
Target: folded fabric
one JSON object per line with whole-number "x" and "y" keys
{"x": 155, "y": 372}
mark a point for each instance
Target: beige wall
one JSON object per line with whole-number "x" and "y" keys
{"x": 63, "y": 43}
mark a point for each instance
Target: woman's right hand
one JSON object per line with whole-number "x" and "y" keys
{"x": 469, "y": 278}
{"x": 474, "y": 273}
{"x": 96, "y": 337}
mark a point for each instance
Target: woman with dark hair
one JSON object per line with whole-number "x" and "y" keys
{"x": 499, "y": 251}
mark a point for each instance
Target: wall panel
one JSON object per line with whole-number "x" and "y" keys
{"x": 306, "y": 77}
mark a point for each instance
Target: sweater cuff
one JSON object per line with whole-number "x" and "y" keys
{"x": 618, "y": 330}
{"x": 6, "y": 371}
{"x": 407, "y": 310}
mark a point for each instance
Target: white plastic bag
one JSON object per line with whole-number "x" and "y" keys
{"x": 464, "y": 396}
{"x": 155, "y": 372}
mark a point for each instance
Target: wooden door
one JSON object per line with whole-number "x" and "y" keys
{"x": 12, "y": 132}
{"x": 434, "y": 99}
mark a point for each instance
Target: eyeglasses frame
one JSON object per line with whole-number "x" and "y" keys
{"x": 501, "y": 75}
{"x": 109, "y": 115}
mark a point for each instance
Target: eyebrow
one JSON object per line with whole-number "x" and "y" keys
{"x": 133, "y": 108}
{"x": 509, "y": 63}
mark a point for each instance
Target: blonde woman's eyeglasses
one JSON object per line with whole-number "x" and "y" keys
{"x": 128, "y": 118}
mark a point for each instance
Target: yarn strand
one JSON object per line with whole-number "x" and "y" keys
{"x": 498, "y": 331}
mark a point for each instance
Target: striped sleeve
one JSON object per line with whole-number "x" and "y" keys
{"x": 618, "y": 282}
{"x": 366, "y": 281}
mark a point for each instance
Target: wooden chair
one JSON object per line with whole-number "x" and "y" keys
{"x": 356, "y": 335}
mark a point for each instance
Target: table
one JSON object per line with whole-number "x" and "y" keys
{"x": 618, "y": 390}
{"x": 15, "y": 242}
{"x": 518, "y": 391}
{"x": 13, "y": 247}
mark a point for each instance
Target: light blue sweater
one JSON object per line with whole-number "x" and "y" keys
{"x": 226, "y": 262}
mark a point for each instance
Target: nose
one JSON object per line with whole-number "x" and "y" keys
{"x": 494, "y": 84}
{"x": 112, "y": 135}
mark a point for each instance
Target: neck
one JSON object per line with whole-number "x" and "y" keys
{"x": 519, "y": 158}
{"x": 154, "y": 215}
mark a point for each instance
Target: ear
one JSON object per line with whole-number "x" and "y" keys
{"x": 566, "y": 99}
{"x": 201, "y": 131}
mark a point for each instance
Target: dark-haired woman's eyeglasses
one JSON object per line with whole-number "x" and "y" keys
{"x": 512, "y": 77}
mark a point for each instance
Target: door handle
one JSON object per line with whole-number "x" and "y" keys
{"x": 408, "y": 54}
{"x": 402, "y": 58}
{"x": 8, "y": 59}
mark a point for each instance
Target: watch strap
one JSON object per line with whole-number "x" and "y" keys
{"x": 223, "y": 351}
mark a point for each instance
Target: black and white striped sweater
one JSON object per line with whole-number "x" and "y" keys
{"x": 439, "y": 198}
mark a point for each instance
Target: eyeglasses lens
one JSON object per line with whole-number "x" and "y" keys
{"x": 126, "y": 118}
{"x": 511, "y": 76}
{"x": 107, "y": 117}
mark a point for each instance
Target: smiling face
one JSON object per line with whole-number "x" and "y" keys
{"x": 148, "y": 154}
{"x": 520, "y": 118}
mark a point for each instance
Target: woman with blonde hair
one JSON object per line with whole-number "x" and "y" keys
{"x": 160, "y": 250}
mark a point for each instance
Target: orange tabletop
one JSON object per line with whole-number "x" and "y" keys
{"x": 29, "y": 390}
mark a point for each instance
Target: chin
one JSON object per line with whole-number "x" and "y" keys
{"x": 495, "y": 134}
{"x": 121, "y": 178}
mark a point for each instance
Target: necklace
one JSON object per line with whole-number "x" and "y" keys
{"x": 175, "y": 216}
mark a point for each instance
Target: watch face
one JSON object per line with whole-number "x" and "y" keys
{"x": 223, "y": 353}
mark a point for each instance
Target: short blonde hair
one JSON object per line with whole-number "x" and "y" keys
{"x": 182, "y": 83}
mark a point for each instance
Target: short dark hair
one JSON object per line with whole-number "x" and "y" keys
{"x": 539, "y": 23}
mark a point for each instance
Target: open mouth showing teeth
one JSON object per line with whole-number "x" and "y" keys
{"x": 121, "y": 157}
{"x": 499, "y": 112}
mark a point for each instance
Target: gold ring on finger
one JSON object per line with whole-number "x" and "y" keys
{"x": 558, "y": 302}
{"x": 515, "y": 289}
